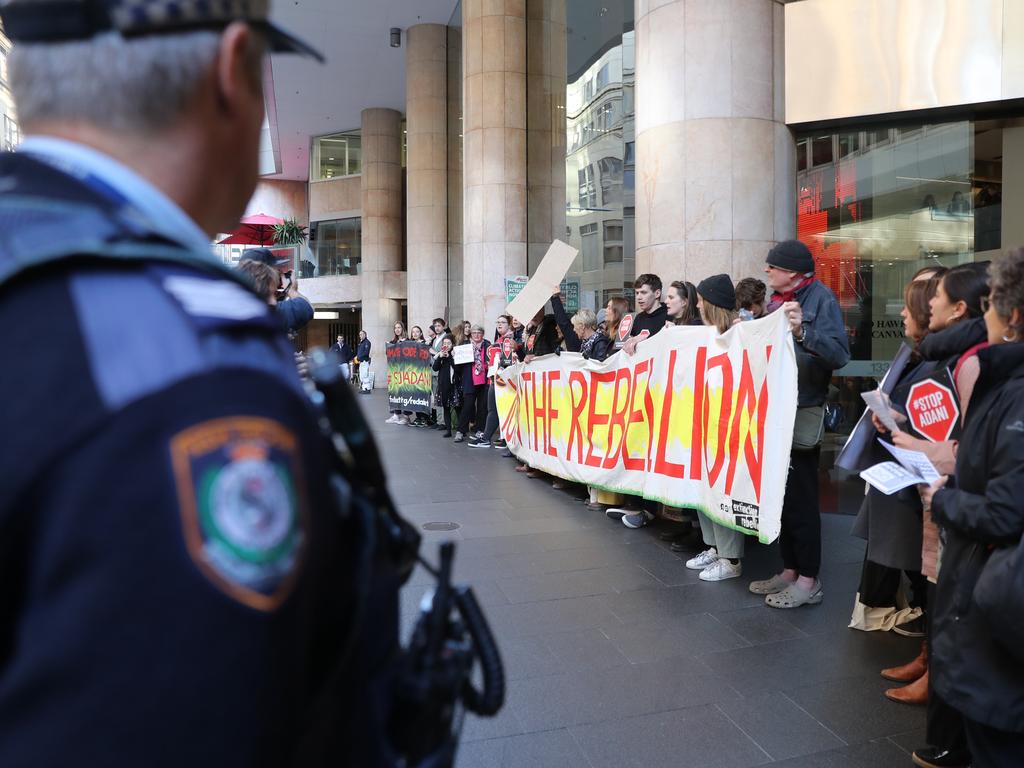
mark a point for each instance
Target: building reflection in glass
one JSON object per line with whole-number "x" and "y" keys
{"x": 599, "y": 162}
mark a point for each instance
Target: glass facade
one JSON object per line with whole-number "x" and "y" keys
{"x": 335, "y": 247}
{"x": 877, "y": 203}
{"x": 599, "y": 152}
{"x": 337, "y": 155}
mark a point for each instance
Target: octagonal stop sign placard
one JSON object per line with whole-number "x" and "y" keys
{"x": 932, "y": 410}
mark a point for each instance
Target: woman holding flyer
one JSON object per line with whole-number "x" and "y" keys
{"x": 956, "y": 332}
{"x": 891, "y": 524}
{"x": 976, "y": 627}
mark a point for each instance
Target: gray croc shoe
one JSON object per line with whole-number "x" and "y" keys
{"x": 794, "y": 596}
{"x": 769, "y": 586}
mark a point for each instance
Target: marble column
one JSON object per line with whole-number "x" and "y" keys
{"x": 494, "y": 153}
{"x": 426, "y": 71}
{"x": 381, "y": 230}
{"x": 716, "y": 164}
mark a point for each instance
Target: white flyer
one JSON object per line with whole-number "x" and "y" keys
{"x": 462, "y": 354}
{"x": 878, "y": 402}
{"x": 889, "y": 477}
{"x": 915, "y": 462}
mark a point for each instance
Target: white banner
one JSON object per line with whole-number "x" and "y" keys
{"x": 694, "y": 419}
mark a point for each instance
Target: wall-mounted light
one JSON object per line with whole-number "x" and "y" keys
{"x": 396, "y": 37}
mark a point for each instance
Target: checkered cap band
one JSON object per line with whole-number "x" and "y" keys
{"x": 140, "y": 15}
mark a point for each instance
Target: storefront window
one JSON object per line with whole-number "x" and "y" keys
{"x": 335, "y": 247}
{"x": 885, "y": 203}
{"x": 337, "y": 155}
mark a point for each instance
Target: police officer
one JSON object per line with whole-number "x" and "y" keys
{"x": 175, "y": 577}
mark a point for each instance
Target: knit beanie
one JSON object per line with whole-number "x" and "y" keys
{"x": 718, "y": 290}
{"x": 792, "y": 256}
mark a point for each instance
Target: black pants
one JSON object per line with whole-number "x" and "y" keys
{"x": 491, "y": 424}
{"x": 991, "y": 748}
{"x": 474, "y": 405}
{"x": 800, "y": 539}
{"x": 880, "y": 585}
{"x": 447, "y": 409}
{"x": 945, "y": 725}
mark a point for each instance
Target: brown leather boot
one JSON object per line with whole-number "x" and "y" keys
{"x": 910, "y": 671}
{"x": 916, "y": 693}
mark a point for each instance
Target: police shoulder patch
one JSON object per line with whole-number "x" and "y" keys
{"x": 244, "y": 515}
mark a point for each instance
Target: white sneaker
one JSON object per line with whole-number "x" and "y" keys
{"x": 720, "y": 570}
{"x": 703, "y": 560}
{"x": 393, "y": 419}
{"x": 402, "y": 420}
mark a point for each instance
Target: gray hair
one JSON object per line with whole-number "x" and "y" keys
{"x": 134, "y": 85}
{"x": 586, "y": 318}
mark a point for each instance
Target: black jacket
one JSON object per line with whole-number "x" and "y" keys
{"x": 650, "y": 322}
{"x": 448, "y": 380}
{"x": 545, "y": 338}
{"x": 363, "y": 351}
{"x": 825, "y": 346}
{"x": 600, "y": 348}
{"x": 572, "y": 339}
{"x": 465, "y": 371}
{"x": 344, "y": 351}
{"x": 946, "y": 346}
{"x": 970, "y": 669}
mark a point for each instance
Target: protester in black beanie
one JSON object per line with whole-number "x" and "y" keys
{"x": 718, "y": 289}
{"x": 792, "y": 256}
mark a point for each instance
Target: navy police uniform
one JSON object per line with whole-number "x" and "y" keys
{"x": 175, "y": 575}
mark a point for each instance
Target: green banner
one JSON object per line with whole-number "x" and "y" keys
{"x": 409, "y": 376}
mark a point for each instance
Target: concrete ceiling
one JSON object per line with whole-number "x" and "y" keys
{"x": 362, "y": 70}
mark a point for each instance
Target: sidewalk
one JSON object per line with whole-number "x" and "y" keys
{"x": 617, "y": 655}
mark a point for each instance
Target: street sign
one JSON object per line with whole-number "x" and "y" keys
{"x": 933, "y": 410}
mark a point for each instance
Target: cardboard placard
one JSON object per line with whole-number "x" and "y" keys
{"x": 545, "y": 281}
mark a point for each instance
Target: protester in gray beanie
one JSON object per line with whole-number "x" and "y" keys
{"x": 821, "y": 345}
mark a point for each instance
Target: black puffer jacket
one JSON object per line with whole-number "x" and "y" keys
{"x": 970, "y": 669}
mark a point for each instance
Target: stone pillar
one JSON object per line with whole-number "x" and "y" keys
{"x": 494, "y": 154}
{"x": 382, "y": 230}
{"x": 716, "y": 164}
{"x": 426, "y": 66}
{"x": 545, "y": 125}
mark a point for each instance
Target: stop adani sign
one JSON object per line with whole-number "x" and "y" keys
{"x": 932, "y": 410}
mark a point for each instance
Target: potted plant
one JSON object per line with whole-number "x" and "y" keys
{"x": 289, "y": 232}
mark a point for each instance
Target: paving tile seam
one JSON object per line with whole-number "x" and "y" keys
{"x": 796, "y": 704}
{"x": 742, "y": 730}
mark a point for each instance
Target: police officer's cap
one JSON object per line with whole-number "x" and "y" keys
{"x": 58, "y": 21}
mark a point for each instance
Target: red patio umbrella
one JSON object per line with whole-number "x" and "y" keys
{"x": 257, "y": 229}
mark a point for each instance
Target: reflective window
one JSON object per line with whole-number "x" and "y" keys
{"x": 891, "y": 201}
{"x": 335, "y": 247}
{"x": 337, "y": 155}
{"x": 11, "y": 133}
{"x": 600, "y": 147}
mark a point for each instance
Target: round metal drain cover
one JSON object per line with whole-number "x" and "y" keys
{"x": 440, "y": 526}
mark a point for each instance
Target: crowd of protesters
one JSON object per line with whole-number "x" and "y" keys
{"x": 944, "y": 562}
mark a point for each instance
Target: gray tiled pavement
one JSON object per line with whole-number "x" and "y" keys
{"x": 618, "y": 656}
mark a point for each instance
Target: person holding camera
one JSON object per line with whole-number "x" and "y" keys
{"x": 281, "y": 290}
